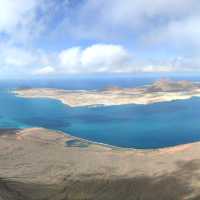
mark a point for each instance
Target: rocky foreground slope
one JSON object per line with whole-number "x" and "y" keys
{"x": 39, "y": 164}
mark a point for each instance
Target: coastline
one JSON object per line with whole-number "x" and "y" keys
{"x": 53, "y": 165}
{"x": 173, "y": 148}
{"x": 70, "y": 137}
{"x": 62, "y": 95}
{"x": 41, "y": 166}
{"x": 125, "y": 96}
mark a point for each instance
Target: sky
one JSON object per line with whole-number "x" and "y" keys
{"x": 52, "y": 38}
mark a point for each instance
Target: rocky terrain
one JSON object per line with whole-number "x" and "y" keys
{"x": 39, "y": 164}
{"x": 165, "y": 85}
{"x": 160, "y": 91}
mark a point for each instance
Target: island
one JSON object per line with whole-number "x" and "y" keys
{"x": 41, "y": 164}
{"x": 160, "y": 91}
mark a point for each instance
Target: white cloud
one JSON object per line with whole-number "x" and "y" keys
{"x": 161, "y": 24}
{"x": 44, "y": 71}
{"x": 14, "y": 13}
{"x": 98, "y": 58}
{"x": 13, "y": 56}
{"x": 70, "y": 57}
{"x": 18, "y": 61}
{"x": 100, "y": 55}
{"x": 157, "y": 68}
{"x": 183, "y": 34}
{"x": 133, "y": 13}
{"x": 95, "y": 58}
{"x": 18, "y": 20}
{"x": 108, "y": 19}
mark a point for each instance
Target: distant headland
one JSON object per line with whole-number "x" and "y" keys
{"x": 160, "y": 91}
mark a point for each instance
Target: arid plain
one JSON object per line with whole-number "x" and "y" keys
{"x": 39, "y": 164}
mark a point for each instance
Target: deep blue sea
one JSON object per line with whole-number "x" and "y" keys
{"x": 139, "y": 126}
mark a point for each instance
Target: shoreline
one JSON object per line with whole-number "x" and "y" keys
{"x": 63, "y": 95}
{"x": 148, "y": 94}
{"x": 105, "y": 105}
{"x": 36, "y": 164}
{"x": 157, "y": 92}
{"x": 117, "y": 148}
{"x": 70, "y": 137}
{"x": 113, "y": 147}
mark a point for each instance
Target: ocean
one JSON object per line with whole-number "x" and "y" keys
{"x": 131, "y": 126}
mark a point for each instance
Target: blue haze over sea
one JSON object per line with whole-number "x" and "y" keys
{"x": 138, "y": 126}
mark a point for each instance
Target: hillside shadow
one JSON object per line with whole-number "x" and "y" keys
{"x": 173, "y": 186}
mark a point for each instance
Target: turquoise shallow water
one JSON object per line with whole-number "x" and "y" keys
{"x": 138, "y": 126}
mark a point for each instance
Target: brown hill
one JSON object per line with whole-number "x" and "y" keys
{"x": 165, "y": 85}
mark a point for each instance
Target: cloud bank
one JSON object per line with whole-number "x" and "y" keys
{"x": 47, "y": 37}
{"x": 95, "y": 58}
